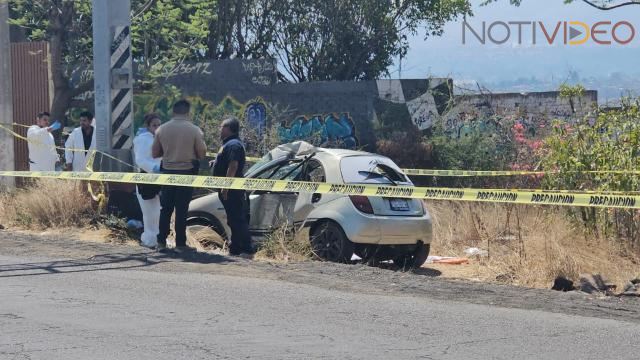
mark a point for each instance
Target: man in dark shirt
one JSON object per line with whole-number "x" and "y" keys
{"x": 230, "y": 163}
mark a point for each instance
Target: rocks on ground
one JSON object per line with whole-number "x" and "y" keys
{"x": 632, "y": 288}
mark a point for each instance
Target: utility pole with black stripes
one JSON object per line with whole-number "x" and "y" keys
{"x": 7, "y": 160}
{"x": 113, "y": 74}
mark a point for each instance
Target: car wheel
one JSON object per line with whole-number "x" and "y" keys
{"x": 413, "y": 260}
{"x": 330, "y": 243}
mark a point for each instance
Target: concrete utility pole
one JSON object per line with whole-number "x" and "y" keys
{"x": 7, "y": 151}
{"x": 113, "y": 76}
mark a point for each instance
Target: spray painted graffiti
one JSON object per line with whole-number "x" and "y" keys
{"x": 260, "y": 72}
{"x": 489, "y": 114}
{"x": 462, "y": 127}
{"x": 185, "y": 68}
{"x": 336, "y": 130}
{"x": 256, "y": 116}
{"x": 258, "y": 67}
{"x": 330, "y": 130}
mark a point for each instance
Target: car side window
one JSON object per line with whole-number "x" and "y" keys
{"x": 315, "y": 172}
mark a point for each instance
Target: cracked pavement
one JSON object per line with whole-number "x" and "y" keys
{"x": 60, "y": 299}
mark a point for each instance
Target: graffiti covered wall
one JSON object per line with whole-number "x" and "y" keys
{"x": 535, "y": 111}
{"x": 330, "y": 130}
{"x": 333, "y": 114}
{"x": 353, "y": 115}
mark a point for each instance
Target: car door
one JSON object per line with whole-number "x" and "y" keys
{"x": 269, "y": 210}
{"x": 307, "y": 202}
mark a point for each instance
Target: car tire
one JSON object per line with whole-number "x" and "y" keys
{"x": 413, "y": 260}
{"x": 330, "y": 243}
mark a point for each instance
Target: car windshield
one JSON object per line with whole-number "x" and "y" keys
{"x": 288, "y": 170}
{"x": 371, "y": 170}
{"x": 263, "y": 163}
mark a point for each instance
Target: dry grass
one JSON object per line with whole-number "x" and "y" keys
{"x": 285, "y": 244}
{"x": 282, "y": 245}
{"x": 528, "y": 246}
{"x": 61, "y": 207}
{"x": 45, "y": 204}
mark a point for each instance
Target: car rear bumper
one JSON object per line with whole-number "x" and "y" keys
{"x": 409, "y": 230}
{"x": 384, "y": 230}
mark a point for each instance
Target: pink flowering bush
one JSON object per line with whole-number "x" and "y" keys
{"x": 612, "y": 143}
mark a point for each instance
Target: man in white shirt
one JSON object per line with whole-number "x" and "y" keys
{"x": 80, "y": 138}
{"x": 42, "y": 150}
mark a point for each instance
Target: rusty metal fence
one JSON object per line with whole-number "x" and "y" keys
{"x": 30, "y": 80}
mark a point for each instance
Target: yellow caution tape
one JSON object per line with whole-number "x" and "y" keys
{"x": 569, "y": 191}
{"x": 21, "y": 125}
{"x": 15, "y": 134}
{"x": 100, "y": 198}
{"x": 602, "y": 200}
{"x": 409, "y": 172}
{"x": 93, "y": 152}
{"x": 469, "y": 173}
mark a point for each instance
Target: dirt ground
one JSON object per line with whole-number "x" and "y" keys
{"x": 434, "y": 281}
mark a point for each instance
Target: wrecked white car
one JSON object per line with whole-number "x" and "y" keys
{"x": 373, "y": 228}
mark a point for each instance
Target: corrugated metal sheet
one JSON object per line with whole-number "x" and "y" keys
{"x": 30, "y": 81}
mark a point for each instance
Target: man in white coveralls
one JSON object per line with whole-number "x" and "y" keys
{"x": 42, "y": 151}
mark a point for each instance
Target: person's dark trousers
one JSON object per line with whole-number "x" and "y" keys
{"x": 178, "y": 198}
{"x": 236, "y": 208}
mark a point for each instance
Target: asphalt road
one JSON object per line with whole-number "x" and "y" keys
{"x": 120, "y": 307}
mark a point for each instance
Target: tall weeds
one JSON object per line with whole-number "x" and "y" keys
{"x": 528, "y": 245}
{"x": 47, "y": 203}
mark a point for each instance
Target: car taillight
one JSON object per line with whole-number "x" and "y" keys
{"x": 362, "y": 203}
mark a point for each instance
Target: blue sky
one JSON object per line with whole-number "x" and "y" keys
{"x": 490, "y": 64}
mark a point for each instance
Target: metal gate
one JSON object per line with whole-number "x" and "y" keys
{"x": 31, "y": 94}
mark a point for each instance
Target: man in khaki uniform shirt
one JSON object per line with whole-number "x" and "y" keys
{"x": 181, "y": 146}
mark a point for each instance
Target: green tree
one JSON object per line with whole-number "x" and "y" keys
{"x": 314, "y": 39}
{"x": 598, "y": 4}
{"x": 166, "y": 32}
{"x": 354, "y": 39}
{"x": 66, "y": 25}
{"x": 242, "y": 28}
{"x": 163, "y": 33}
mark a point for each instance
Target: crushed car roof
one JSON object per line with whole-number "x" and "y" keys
{"x": 302, "y": 148}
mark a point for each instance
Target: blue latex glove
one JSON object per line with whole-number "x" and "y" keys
{"x": 55, "y": 126}
{"x": 156, "y": 169}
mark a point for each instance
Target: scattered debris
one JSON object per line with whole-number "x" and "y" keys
{"x": 2, "y": 227}
{"x": 506, "y": 238}
{"x": 632, "y": 288}
{"x": 474, "y": 251}
{"x": 563, "y": 284}
{"x": 135, "y": 224}
{"x": 505, "y": 278}
{"x": 594, "y": 283}
{"x": 447, "y": 260}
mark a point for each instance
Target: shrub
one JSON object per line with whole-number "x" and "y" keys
{"x": 47, "y": 203}
{"x": 286, "y": 244}
{"x": 610, "y": 142}
{"x": 475, "y": 151}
